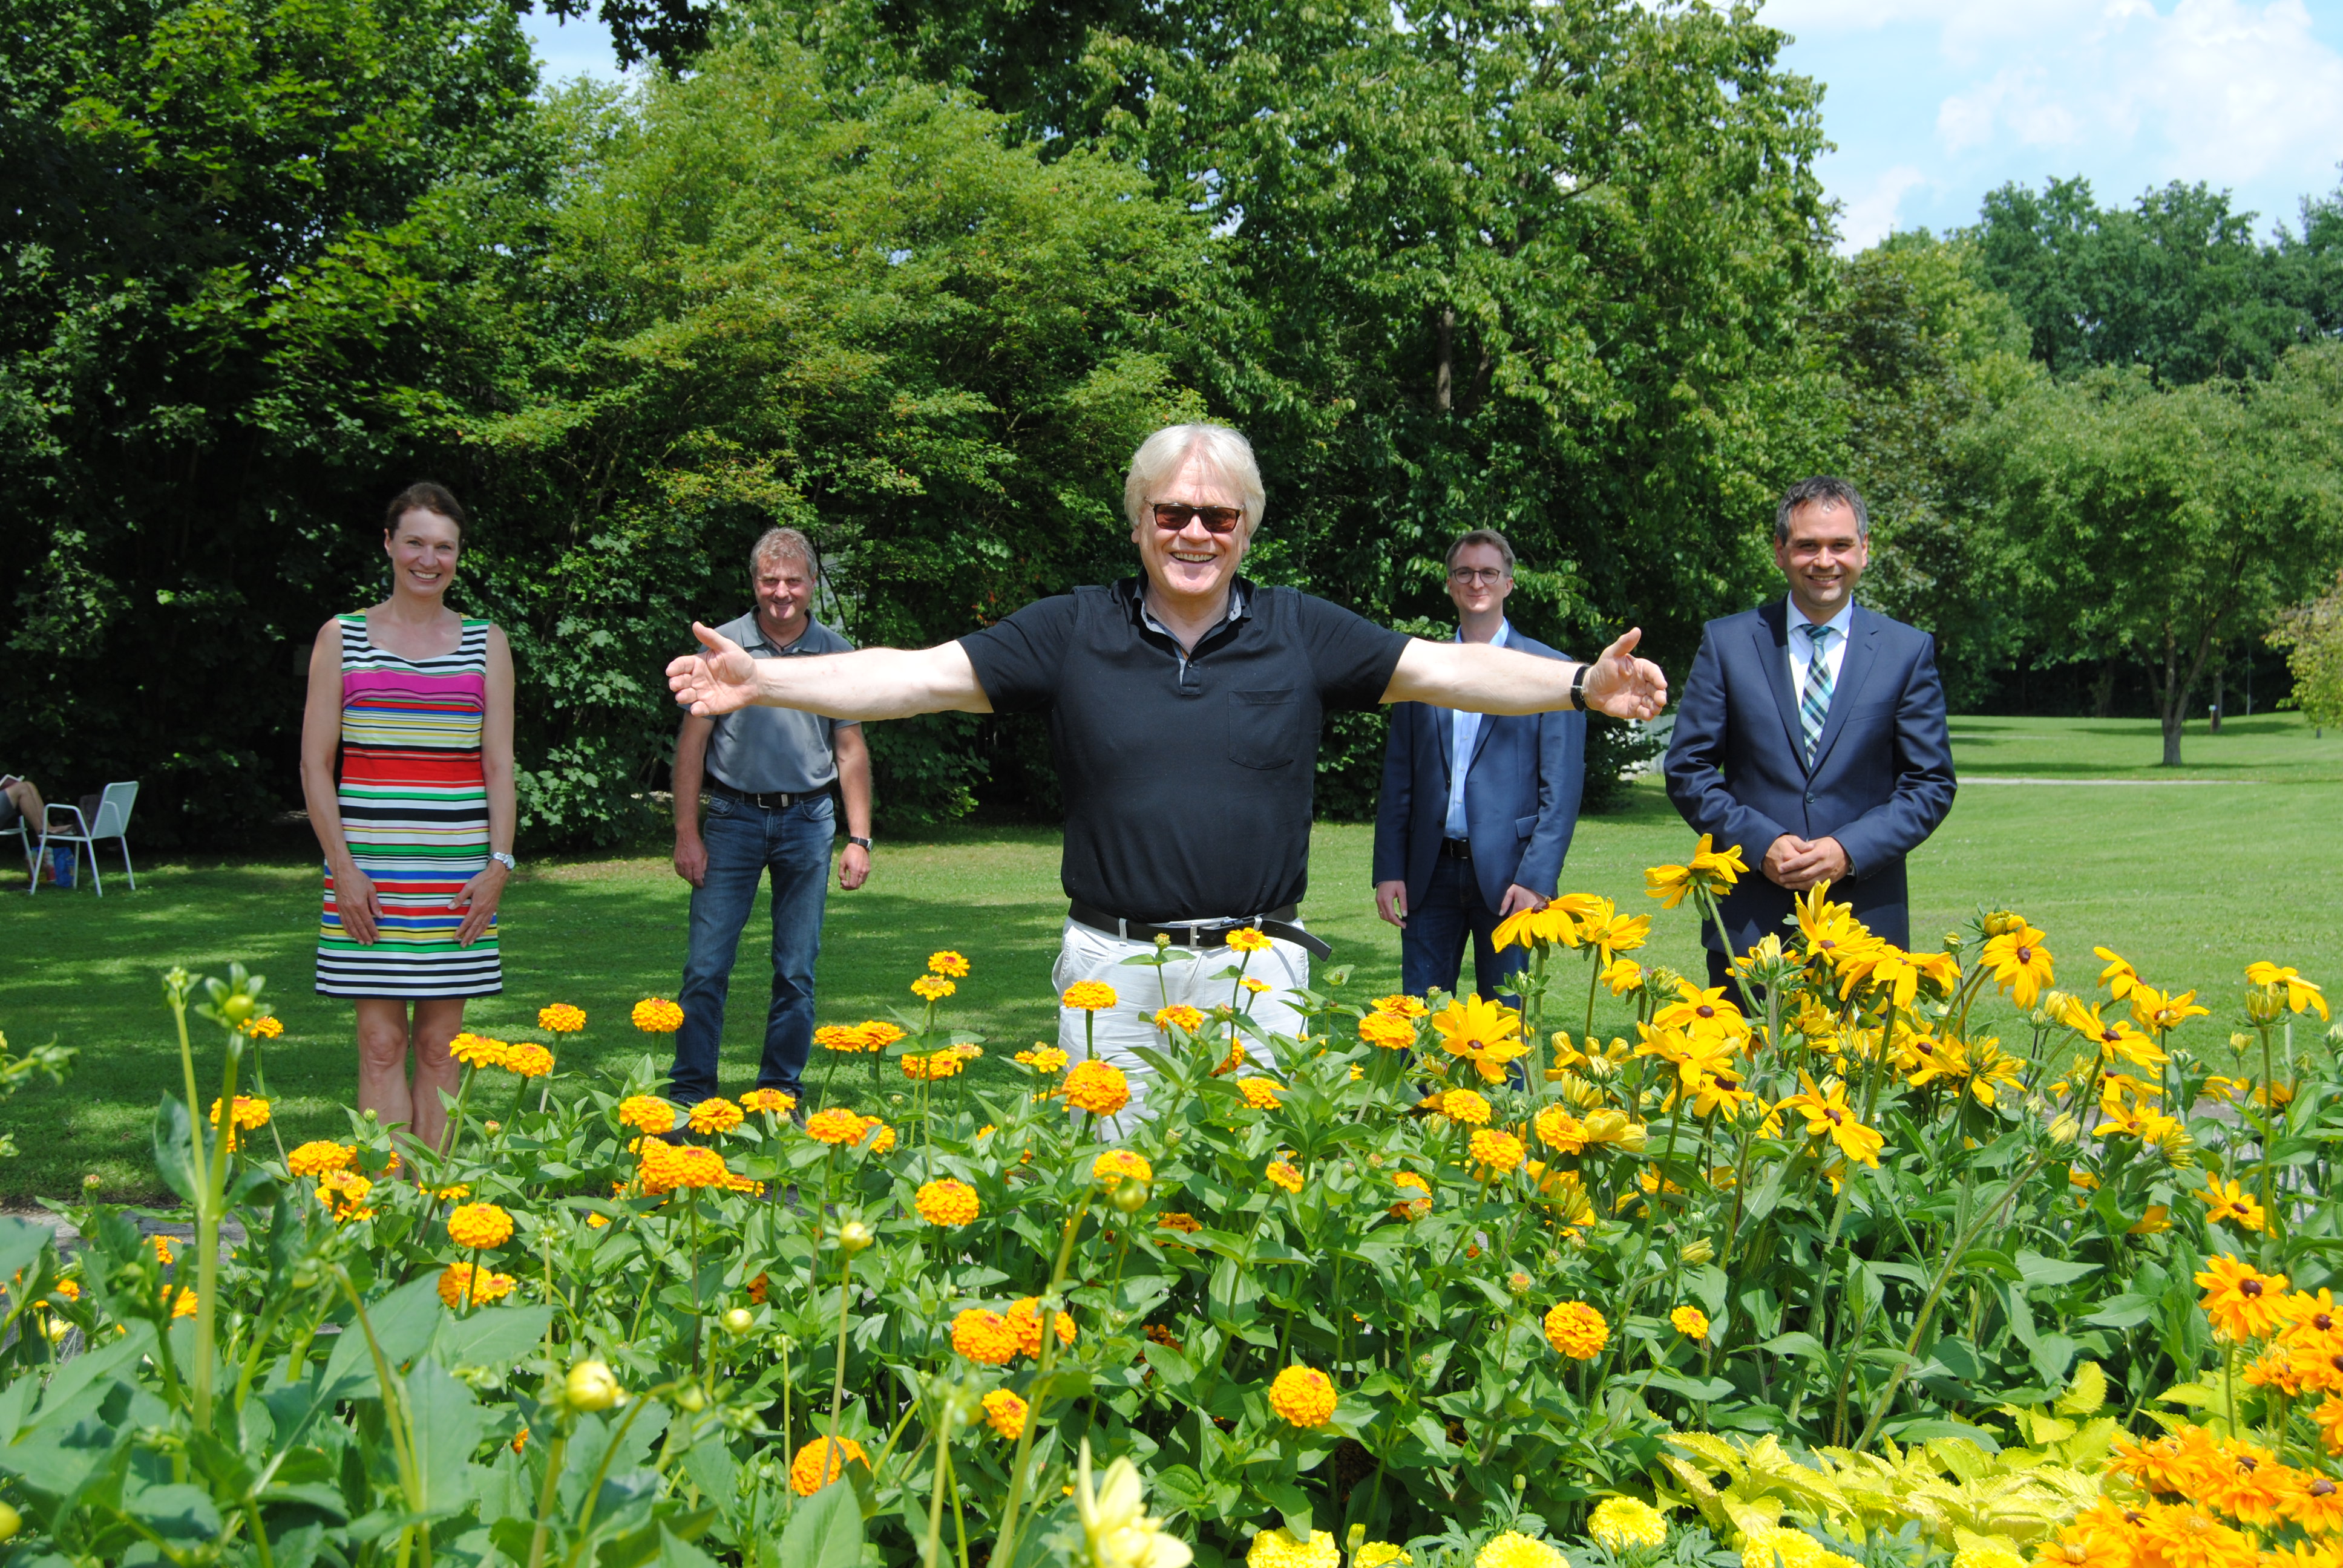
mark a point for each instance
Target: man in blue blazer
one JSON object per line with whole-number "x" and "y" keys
{"x": 1461, "y": 845}
{"x": 1812, "y": 734}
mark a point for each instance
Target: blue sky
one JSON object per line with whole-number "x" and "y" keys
{"x": 1933, "y": 103}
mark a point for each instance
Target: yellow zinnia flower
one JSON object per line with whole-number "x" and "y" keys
{"x": 657, "y": 1015}
{"x": 1304, "y": 1395}
{"x": 948, "y": 963}
{"x": 1090, "y": 996}
{"x": 932, "y": 988}
{"x": 560, "y": 1017}
{"x": 1577, "y": 1330}
{"x": 479, "y": 1225}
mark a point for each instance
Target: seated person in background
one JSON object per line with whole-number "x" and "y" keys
{"x": 19, "y": 799}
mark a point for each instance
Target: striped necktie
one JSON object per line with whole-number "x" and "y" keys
{"x": 1814, "y": 706}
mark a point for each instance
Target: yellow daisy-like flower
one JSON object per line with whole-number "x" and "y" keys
{"x": 717, "y": 1115}
{"x": 2240, "y": 1302}
{"x": 1248, "y": 940}
{"x": 319, "y": 1156}
{"x": 1463, "y": 1105}
{"x": 1179, "y": 1016}
{"x": 769, "y": 1100}
{"x": 1260, "y": 1093}
{"x": 2297, "y": 993}
{"x": 2227, "y": 1201}
{"x": 2020, "y": 964}
{"x": 1499, "y": 1151}
{"x": 1004, "y": 1412}
{"x": 836, "y": 1125}
{"x": 823, "y": 1460}
{"x": 1304, "y": 1395}
{"x": 646, "y": 1113}
{"x": 946, "y": 1202}
{"x": 458, "y": 1281}
{"x": 185, "y": 1303}
{"x": 1277, "y": 1549}
{"x": 1042, "y": 1058}
{"x": 479, "y": 1225}
{"x": 1515, "y": 1550}
{"x": 262, "y": 1026}
{"x": 1097, "y": 1086}
{"x": 1577, "y": 1330}
{"x": 948, "y": 963}
{"x": 1486, "y": 1034}
{"x": 1284, "y": 1175}
{"x": 657, "y": 1015}
{"x": 932, "y": 988}
{"x": 1387, "y": 1031}
{"x": 560, "y": 1017}
{"x": 1690, "y": 1321}
{"x": 1257, "y": 986}
{"x": 1619, "y": 1523}
{"x": 1121, "y": 1165}
{"x": 1621, "y": 976}
{"x": 1090, "y": 996}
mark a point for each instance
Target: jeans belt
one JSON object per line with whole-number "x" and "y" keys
{"x": 770, "y": 799}
{"x": 1278, "y": 923}
{"x": 1456, "y": 848}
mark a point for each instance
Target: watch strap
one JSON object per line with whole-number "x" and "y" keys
{"x": 851, "y": 839}
{"x": 505, "y": 859}
{"x": 1578, "y": 688}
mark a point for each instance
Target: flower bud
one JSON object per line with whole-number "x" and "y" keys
{"x": 2065, "y": 1129}
{"x": 690, "y": 1398}
{"x": 237, "y": 1009}
{"x": 1132, "y": 1196}
{"x": 854, "y": 1236}
{"x": 1703, "y": 1251}
{"x": 2266, "y": 1003}
{"x": 305, "y": 1276}
{"x": 739, "y": 1321}
{"x": 593, "y": 1386}
{"x": 11, "y": 1521}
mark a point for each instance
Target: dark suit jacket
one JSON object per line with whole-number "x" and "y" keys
{"x": 1883, "y": 772}
{"x": 1520, "y": 797}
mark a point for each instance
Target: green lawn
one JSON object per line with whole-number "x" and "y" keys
{"x": 2190, "y": 881}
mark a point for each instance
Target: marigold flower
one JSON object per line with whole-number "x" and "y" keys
{"x": 835, "y": 1125}
{"x": 984, "y": 1336}
{"x": 1284, "y": 1175}
{"x": 1090, "y": 996}
{"x": 1004, "y": 1412}
{"x": 1260, "y": 1093}
{"x": 1097, "y": 1086}
{"x": 1180, "y": 1016}
{"x": 1690, "y": 1321}
{"x": 717, "y": 1115}
{"x": 529, "y": 1059}
{"x": 185, "y": 1303}
{"x": 478, "y": 1051}
{"x": 1119, "y": 1165}
{"x": 1577, "y": 1330}
{"x": 318, "y": 1156}
{"x": 262, "y": 1026}
{"x": 2242, "y": 1303}
{"x": 1249, "y": 939}
{"x": 1500, "y": 1152}
{"x": 1463, "y": 1105}
{"x": 823, "y": 1460}
{"x": 932, "y": 988}
{"x": 1381, "y": 1554}
{"x": 646, "y": 1113}
{"x": 458, "y": 1280}
{"x": 1024, "y": 1319}
{"x": 771, "y": 1101}
{"x": 479, "y": 1225}
{"x": 1387, "y": 1031}
{"x": 2227, "y": 1201}
{"x": 1619, "y": 1523}
{"x": 1515, "y": 1550}
{"x": 560, "y": 1017}
{"x": 1277, "y": 1549}
{"x": 1304, "y": 1396}
{"x": 948, "y": 963}
{"x": 946, "y": 1202}
{"x": 657, "y": 1015}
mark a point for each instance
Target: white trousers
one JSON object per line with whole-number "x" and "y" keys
{"x": 1085, "y": 954}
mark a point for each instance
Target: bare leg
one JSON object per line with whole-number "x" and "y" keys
{"x": 382, "y": 1061}
{"x": 437, "y": 1020}
{"x": 29, "y": 801}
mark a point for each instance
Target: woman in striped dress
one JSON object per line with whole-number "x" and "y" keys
{"x": 418, "y": 830}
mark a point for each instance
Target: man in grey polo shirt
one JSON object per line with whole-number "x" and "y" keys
{"x": 766, "y": 775}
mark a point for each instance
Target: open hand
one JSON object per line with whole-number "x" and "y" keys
{"x": 355, "y": 901}
{"x": 478, "y": 899}
{"x": 1624, "y": 685}
{"x": 723, "y": 680}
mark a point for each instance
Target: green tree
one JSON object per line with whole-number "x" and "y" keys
{"x": 2161, "y": 522}
{"x": 2312, "y": 634}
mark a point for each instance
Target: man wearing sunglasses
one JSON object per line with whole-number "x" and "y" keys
{"x": 1184, "y": 707}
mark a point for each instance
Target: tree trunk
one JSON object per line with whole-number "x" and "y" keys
{"x": 1441, "y": 398}
{"x": 2173, "y": 700}
{"x": 2215, "y": 727}
{"x": 2102, "y": 690}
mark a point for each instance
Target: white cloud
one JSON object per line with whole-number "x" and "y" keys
{"x": 1870, "y": 217}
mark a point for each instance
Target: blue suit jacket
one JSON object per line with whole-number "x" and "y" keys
{"x": 1883, "y": 772}
{"x": 1520, "y": 797}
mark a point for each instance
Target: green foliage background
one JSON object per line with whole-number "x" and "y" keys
{"x": 916, "y": 279}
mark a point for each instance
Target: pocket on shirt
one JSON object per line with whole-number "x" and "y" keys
{"x": 1264, "y": 727}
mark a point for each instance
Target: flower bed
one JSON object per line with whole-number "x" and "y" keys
{"x": 1803, "y": 1269}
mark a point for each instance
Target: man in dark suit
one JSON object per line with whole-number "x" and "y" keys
{"x": 1460, "y": 846}
{"x": 1812, "y": 734}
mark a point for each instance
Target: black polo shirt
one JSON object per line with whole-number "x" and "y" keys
{"x": 1188, "y": 782}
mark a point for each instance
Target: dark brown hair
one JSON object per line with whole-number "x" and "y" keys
{"x": 423, "y": 496}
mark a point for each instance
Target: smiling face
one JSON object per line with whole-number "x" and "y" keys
{"x": 1192, "y": 565}
{"x": 784, "y": 584}
{"x": 423, "y": 549}
{"x": 1479, "y": 580}
{"x": 1824, "y": 557}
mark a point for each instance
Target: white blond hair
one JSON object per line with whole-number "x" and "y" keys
{"x": 1166, "y": 452}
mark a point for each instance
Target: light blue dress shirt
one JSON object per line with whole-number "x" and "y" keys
{"x": 1463, "y": 734}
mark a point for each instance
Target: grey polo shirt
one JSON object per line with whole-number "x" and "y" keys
{"x": 757, "y": 748}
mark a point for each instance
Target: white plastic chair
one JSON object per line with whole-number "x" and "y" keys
{"x": 112, "y": 821}
{"x": 23, "y": 830}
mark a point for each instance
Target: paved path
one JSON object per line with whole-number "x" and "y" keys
{"x": 1969, "y": 778}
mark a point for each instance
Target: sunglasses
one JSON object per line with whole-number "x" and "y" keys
{"x": 1174, "y": 517}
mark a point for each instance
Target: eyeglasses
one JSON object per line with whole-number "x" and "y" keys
{"x": 1173, "y": 516}
{"x": 1473, "y": 576}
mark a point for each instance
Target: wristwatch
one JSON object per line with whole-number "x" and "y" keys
{"x": 852, "y": 840}
{"x": 1578, "y": 688}
{"x": 504, "y": 859}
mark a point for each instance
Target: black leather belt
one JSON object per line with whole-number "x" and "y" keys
{"x": 770, "y": 799}
{"x": 1278, "y": 923}
{"x": 1456, "y": 848}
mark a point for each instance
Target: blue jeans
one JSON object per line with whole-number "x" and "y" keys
{"x": 742, "y": 841}
{"x": 1431, "y": 946}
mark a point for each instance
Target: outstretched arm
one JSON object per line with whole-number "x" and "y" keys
{"x": 1480, "y": 679}
{"x": 869, "y": 683}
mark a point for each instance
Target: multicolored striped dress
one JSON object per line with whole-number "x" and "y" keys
{"x": 415, "y": 812}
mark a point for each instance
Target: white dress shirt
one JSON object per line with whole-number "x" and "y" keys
{"x": 1802, "y": 646}
{"x": 1463, "y": 734}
